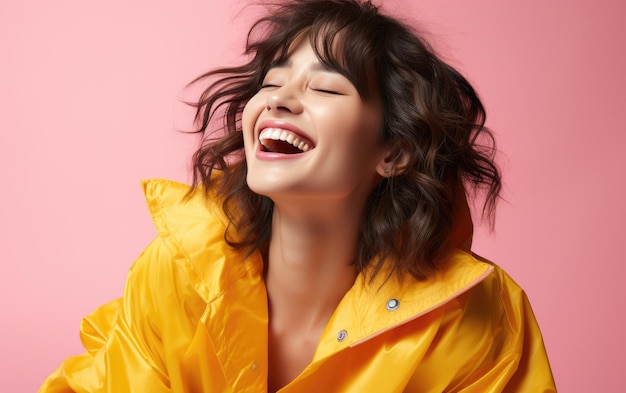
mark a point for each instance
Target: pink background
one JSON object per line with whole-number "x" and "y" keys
{"x": 89, "y": 106}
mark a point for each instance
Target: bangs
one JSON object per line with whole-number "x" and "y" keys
{"x": 343, "y": 42}
{"x": 346, "y": 50}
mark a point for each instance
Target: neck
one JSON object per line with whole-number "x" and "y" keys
{"x": 309, "y": 270}
{"x": 310, "y": 265}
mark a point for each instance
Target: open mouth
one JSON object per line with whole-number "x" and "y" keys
{"x": 278, "y": 140}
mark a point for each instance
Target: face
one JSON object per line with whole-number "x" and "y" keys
{"x": 308, "y": 134}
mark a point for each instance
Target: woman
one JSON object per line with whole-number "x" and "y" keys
{"x": 325, "y": 244}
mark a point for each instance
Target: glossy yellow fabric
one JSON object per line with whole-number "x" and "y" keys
{"x": 193, "y": 318}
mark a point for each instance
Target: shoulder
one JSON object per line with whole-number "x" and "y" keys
{"x": 488, "y": 339}
{"x": 499, "y": 313}
{"x": 488, "y": 320}
{"x": 497, "y": 305}
{"x": 503, "y": 289}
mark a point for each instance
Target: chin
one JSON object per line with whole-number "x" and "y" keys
{"x": 265, "y": 185}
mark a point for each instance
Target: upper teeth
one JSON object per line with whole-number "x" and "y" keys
{"x": 278, "y": 134}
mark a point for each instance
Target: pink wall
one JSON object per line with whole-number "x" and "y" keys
{"x": 88, "y": 108}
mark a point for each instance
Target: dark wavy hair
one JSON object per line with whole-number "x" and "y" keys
{"x": 431, "y": 114}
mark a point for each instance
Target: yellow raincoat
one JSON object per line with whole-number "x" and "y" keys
{"x": 194, "y": 318}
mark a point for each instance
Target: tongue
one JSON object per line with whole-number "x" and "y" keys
{"x": 281, "y": 147}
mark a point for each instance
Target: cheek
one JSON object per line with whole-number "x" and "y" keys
{"x": 249, "y": 116}
{"x": 358, "y": 128}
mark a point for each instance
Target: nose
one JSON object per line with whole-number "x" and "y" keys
{"x": 284, "y": 98}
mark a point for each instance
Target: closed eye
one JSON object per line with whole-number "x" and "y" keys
{"x": 329, "y": 92}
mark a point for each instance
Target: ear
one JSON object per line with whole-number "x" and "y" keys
{"x": 394, "y": 163}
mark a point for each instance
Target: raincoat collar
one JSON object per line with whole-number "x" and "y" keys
{"x": 221, "y": 275}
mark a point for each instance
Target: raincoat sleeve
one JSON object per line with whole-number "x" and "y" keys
{"x": 123, "y": 351}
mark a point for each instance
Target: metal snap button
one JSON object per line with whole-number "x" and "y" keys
{"x": 393, "y": 304}
{"x": 342, "y": 335}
